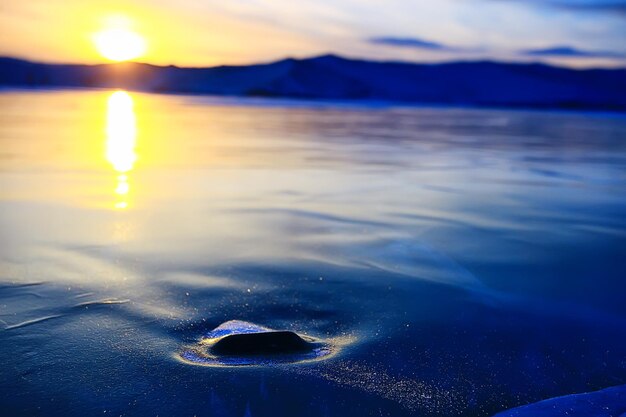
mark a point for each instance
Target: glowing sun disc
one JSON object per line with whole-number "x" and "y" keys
{"x": 119, "y": 44}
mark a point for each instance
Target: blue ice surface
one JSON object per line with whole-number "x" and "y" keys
{"x": 475, "y": 258}
{"x": 609, "y": 402}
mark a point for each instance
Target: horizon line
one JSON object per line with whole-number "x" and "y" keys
{"x": 331, "y": 54}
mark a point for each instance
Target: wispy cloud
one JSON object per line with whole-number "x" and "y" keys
{"x": 558, "y": 51}
{"x": 617, "y": 7}
{"x": 411, "y": 43}
{"x": 571, "y": 52}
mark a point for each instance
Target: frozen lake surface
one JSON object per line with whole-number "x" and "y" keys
{"x": 461, "y": 262}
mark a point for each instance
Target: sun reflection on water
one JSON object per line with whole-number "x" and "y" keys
{"x": 121, "y": 133}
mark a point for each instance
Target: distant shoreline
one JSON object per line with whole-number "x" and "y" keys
{"x": 335, "y": 79}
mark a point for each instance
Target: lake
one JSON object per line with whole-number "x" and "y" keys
{"x": 464, "y": 261}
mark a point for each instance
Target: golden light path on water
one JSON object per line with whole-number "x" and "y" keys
{"x": 121, "y": 137}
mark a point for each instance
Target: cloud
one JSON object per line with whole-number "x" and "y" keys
{"x": 411, "y": 43}
{"x": 571, "y": 52}
{"x": 558, "y": 51}
{"x": 617, "y": 7}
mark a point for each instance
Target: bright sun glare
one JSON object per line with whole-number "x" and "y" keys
{"x": 121, "y": 133}
{"x": 119, "y": 44}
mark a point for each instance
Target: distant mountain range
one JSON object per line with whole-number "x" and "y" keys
{"x": 481, "y": 83}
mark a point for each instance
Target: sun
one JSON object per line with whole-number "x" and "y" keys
{"x": 120, "y": 44}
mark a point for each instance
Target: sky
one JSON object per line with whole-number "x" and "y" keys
{"x": 577, "y": 33}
